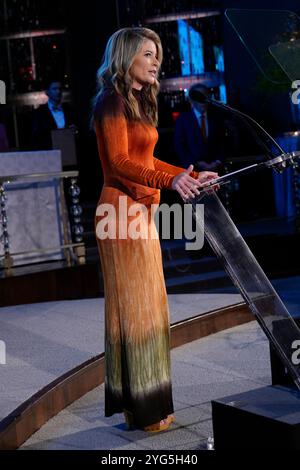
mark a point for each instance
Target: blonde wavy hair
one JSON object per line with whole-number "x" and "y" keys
{"x": 114, "y": 71}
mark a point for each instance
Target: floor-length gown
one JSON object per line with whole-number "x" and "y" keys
{"x": 137, "y": 328}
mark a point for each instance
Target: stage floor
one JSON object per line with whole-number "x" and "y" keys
{"x": 236, "y": 360}
{"x": 44, "y": 341}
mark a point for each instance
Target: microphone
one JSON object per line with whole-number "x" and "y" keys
{"x": 201, "y": 95}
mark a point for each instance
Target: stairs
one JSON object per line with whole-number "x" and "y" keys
{"x": 191, "y": 271}
{"x": 185, "y": 271}
{"x": 274, "y": 242}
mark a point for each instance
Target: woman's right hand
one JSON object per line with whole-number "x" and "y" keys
{"x": 186, "y": 185}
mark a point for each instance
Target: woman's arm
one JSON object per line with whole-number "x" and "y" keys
{"x": 172, "y": 169}
{"x": 111, "y": 130}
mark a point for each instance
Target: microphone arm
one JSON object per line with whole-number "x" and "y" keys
{"x": 281, "y": 160}
{"x": 254, "y": 127}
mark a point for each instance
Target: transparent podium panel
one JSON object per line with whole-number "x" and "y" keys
{"x": 272, "y": 39}
{"x": 287, "y": 55}
{"x": 247, "y": 275}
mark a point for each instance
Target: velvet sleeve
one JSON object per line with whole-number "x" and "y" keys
{"x": 172, "y": 169}
{"x": 111, "y": 129}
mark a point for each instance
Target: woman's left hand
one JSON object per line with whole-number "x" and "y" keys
{"x": 205, "y": 176}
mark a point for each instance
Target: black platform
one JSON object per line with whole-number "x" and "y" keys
{"x": 267, "y": 417}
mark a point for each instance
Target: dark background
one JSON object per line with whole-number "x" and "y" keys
{"x": 88, "y": 26}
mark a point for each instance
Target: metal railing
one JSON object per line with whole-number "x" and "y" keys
{"x": 72, "y": 246}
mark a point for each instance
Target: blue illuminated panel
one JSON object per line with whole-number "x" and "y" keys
{"x": 196, "y": 45}
{"x": 223, "y": 94}
{"x": 191, "y": 49}
{"x": 219, "y": 58}
{"x": 183, "y": 35}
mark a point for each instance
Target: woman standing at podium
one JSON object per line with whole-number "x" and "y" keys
{"x": 137, "y": 329}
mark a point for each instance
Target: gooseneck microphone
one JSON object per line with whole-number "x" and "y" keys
{"x": 261, "y": 136}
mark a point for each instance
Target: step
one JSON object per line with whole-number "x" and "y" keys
{"x": 207, "y": 262}
{"x": 198, "y": 282}
{"x": 187, "y": 279}
{"x": 177, "y": 282}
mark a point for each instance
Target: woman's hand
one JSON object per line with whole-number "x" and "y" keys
{"x": 205, "y": 176}
{"x": 186, "y": 185}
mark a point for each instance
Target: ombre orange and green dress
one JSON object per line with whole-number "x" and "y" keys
{"x": 137, "y": 327}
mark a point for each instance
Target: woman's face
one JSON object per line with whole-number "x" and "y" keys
{"x": 145, "y": 65}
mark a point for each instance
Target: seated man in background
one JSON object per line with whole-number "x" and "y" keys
{"x": 200, "y": 133}
{"x": 51, "y": 116}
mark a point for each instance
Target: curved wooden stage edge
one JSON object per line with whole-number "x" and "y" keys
{"x": 25, "y": 420}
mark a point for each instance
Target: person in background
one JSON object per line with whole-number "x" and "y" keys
{"x": 200, "y": 133}
{"x": 53, "y": 115}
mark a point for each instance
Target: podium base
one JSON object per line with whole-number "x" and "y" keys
{"x": 267, "y": 417}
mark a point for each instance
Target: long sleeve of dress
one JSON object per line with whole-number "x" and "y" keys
{"x": 112, "y": 134}
{"x": 172, "y": 169}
